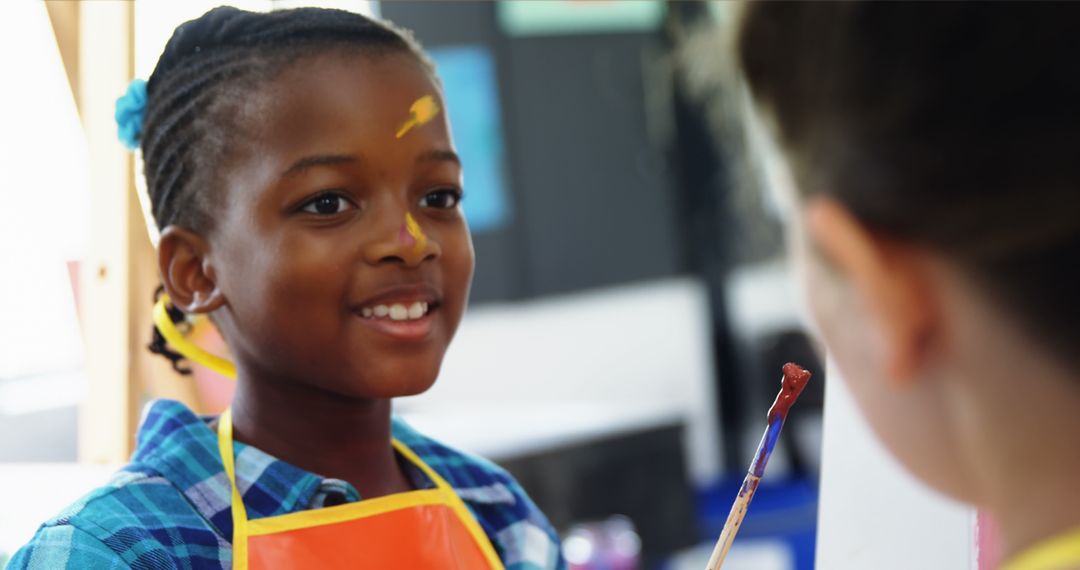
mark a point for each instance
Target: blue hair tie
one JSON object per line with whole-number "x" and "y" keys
{"x": 130, "y": 110}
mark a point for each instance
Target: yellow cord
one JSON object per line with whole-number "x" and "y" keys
{"x": 239, "y": 513}
{"x": 188, "y": 349}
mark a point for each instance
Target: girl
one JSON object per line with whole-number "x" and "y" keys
{"x": 307, "y": 191}
{"x": 933, "y": 149}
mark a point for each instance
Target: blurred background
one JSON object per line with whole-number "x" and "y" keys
{"x": 631, "y": 308}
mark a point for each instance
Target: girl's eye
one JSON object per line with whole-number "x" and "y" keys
{"x": 444, "y": 199}
{"x": 327, "y": 204}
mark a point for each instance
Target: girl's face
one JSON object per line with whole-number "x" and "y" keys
{"x": 323, "y": 282}
{"x": 865, "y": 303}
{"x": 868, "y": 305}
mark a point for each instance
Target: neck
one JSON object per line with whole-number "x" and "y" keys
{"x": 1014, "y": 412}
{"x": 1025, "y": 451}
{"x": 319, "y": 431}
{"x": 1035, "y": 496}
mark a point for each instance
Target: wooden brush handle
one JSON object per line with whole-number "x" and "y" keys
{"x": 734, "y": 521}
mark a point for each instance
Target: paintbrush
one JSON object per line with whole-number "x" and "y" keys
{"x": 792, "y": 384}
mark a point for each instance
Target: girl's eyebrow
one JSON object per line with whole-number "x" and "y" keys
{"x": 439, "y": 155}
{"x": 309, "y": 162}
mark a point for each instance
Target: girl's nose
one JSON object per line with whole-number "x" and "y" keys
{"x": 405, "y": 242}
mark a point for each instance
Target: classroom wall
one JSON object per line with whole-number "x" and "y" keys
{"x": 592, "y": 201}
{"x": 572, "y": 367}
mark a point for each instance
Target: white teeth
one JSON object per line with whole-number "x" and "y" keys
{"x": 398, "y": 312}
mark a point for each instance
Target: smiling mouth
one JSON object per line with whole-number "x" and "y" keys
{"x": 404, "y": 313}
{"x": 398, "y": 311}
{"x": 403, "y": 321}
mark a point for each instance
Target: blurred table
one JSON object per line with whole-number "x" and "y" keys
{"x": 30, "y": 493}
{"x": 583, "y": 461}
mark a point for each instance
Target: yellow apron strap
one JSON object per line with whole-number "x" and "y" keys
{"x": 455, "y": 502}
{"x": 1061, "y": 551}
{"x": 188, "y": 349}
{"x": 239, "y": 514}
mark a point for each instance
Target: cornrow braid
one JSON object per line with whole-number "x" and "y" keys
{"x": 195, "y": 90}
{"x": 196, "y": 94}
{"x": 158, "y": 344}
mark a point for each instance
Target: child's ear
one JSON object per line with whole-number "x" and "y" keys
{"x": 889, "y": 279}
{"x": 186, "y": 271}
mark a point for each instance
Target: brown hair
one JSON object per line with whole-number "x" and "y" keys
{"x": 956, "y": 125}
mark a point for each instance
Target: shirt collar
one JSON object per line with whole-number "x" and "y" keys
{"x": 180, "y": 446}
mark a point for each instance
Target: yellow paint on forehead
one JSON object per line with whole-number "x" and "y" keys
{"x": 422, "y": 111}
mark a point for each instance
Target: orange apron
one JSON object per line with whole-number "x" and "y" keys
{"x": 429, "y": 529}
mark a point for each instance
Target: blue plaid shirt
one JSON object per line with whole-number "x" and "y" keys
{"x": 169, "y": 508}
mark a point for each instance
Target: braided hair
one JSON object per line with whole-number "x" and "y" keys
{"x": 195, "y": 100}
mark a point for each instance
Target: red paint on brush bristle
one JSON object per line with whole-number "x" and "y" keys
{"x": 795, "y": 379}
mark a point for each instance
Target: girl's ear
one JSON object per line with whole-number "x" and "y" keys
{"x": 888, "y": 278}
{"x": 186, "y": 271}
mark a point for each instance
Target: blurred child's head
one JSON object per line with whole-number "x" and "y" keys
{"x": 933, "y": 148}
{"x": 281, "y": 188}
